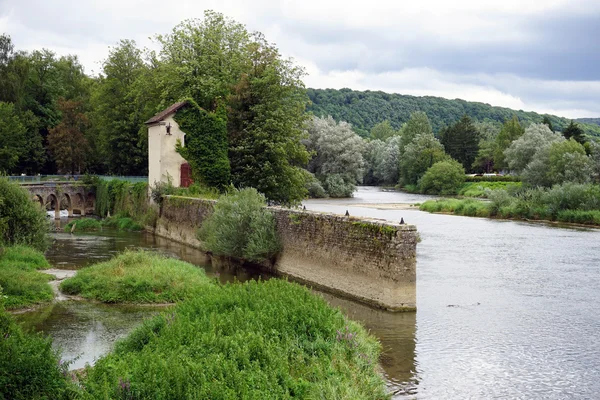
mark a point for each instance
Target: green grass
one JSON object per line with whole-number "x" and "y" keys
{"x": 26, "y": 255}
{"x": 122, "y": 223}
{"x": 579, "y": 217}
{"x": 257, "y": 340}
{"x": 29, "y": 367}
{"x": 83, "y": 225}
{"x": 22, "y": 285}
{"x": 137, "y": 277}
{"x": 480, "y": 189}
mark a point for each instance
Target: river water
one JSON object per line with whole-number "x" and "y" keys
{"x": 505, "y": 309}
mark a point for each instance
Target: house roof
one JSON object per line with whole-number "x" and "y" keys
{"x": 166, "y": 112}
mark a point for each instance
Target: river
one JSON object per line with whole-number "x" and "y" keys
{"x": 505, "y": 309}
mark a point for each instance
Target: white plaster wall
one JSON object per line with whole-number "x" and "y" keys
{"x": 163, "y": 160}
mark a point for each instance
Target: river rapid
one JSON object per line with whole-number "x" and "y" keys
{"x": 504, "y": 309}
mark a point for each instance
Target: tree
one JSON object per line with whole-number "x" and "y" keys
{"x": 66, "y": 141}
{"x": 205, "y": 145}
{"x": 373, "y": 156}
{"x": 575, "y": 132}
{"x": 387, "y": 169}
{"x": 546, "y": 121}
{"x": 562, "y": 161}
{"x": 461, "y": 141}
{"x": 118, "y": 114}
{"x": 203, "y": 59}
{"x": 267, "y": 122}
{"x": 484, "y": 162}
{"x": 568, "y": 162}
{"x": 443, "y": 177}
{"x": 383, "y": 131}
{"x": 417, "y": 124}
{"x": 521, "y": 152}
{"x": 12, "y": 138}
{"x": 338, "y": 152}
{"x": 424, "y": 151}
{"x": 511, "y": 130}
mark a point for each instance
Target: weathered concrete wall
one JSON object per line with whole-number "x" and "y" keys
{"x": 368, "y": 260}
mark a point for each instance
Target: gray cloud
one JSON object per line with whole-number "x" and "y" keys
{"x": 530, "y": 55}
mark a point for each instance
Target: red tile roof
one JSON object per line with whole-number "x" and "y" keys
{"x": 166, "y": 112}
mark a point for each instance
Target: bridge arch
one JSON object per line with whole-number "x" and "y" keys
{"x": 66, "y": 203}
{"x": 79, "y": 204}
{"x": 53, "y": 204}
{"x": 38, "y": 199}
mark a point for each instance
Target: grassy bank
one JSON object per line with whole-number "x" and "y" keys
{"x": 137, "y": 277}
{"x": 569, "y": 203}
{"x": 22, "y": 285}
{"x": 257, "y": 340}
{"x": 121, "y": 223}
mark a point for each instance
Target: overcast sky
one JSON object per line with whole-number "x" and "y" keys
{"x": 541, "y": 55}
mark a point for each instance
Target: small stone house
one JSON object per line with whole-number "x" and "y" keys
{"x": 164, "y": 162}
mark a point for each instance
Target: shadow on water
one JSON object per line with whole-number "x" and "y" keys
{"x": 396, "y": 332}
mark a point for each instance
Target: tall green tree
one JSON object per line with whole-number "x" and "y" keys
{"x": 461, "y": 141}
{"x": 546, "y": 121}
{"x": 419, "y": 155}
{"x": 267, "y": 121}
{"x": 12, "y": 138}
{"x": 383, "y": 131}
{"x": 575, "y": 132}
{"x": 511, "y": 130}
{"x": 66, "y": 141}
{"x": 118, "y": 114}
{"x": 203, "y": 59}
{"x": 418, "y": 124}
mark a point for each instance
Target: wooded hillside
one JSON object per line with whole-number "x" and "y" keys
{"x": 365, "y": 109}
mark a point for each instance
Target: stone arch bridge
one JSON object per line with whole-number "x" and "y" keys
{"x": 53, "y": 196}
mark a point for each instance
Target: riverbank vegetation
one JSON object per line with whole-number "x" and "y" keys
{"x": 21, "y": 282}
{"x": 221, "y": 344}
{"x": 137, "y": 277}
{"x": 569, "y": 202}
{"x": 21, "y": 220}
{"x": 241, "y": 226}
{"x": 29, "y": 367}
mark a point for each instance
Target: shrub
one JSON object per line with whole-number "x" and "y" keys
{"x": 241, "y": 227}
{"x": 21, "y": 220}
{"x": 29, "y": 367}
{"x": 443, "y": 177}
{"x": 260, "y": 340}
{"x": 137, "y": 277}
{"x": 315, "y": 190}
{"x": 336, "y": 187}
{"x": 482, "y": 189}
{"x": 467, "y": 207}
{"x": 493, "y": 178}
{"x": 83, "y": 225}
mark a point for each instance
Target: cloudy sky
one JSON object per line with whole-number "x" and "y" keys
{"x": 524, "y": 54}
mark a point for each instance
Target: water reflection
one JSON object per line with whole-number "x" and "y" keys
{"x": 396, "y": 332}
{"x": 85, "y": 331}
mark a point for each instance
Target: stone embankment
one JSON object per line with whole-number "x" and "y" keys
{"x": 368, "y": 260}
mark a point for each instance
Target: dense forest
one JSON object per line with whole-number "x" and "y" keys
{"x": 593, "y": 121}
{"x": 366, "y": 109}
